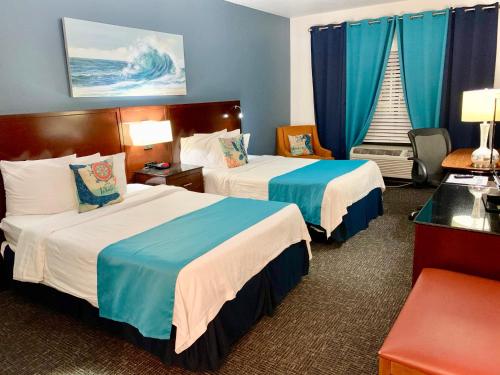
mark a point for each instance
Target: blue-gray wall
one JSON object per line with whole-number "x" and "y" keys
{"x": 231, "y": 52}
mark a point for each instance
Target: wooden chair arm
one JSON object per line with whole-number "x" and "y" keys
{"x": 285, "y": 153}
{"x": 320, "y": 151}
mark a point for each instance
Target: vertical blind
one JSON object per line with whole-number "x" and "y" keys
{"x": 391, "y": 122}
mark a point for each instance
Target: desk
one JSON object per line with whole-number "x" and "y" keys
{"x": 460, "y": 160}
{"x": 454, "y": 232}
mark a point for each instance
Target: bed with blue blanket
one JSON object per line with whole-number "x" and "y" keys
{"x": 338, "y": 196}
{"x": 168, "y": 268}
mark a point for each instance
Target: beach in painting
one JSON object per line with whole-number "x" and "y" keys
{"x": 107, "y": 60}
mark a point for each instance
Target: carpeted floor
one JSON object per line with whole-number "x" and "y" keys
{"x": 333, "y": 323}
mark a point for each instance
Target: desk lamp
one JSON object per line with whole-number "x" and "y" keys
{"x": 492, "y": 201}
{"x": 147, "y": 134}
{"x": 478, "y": 106}
{"x": 484, "y": 105}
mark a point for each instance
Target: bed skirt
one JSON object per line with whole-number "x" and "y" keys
{"x": 258, "y": 297}
{"x": 357, "y": 218}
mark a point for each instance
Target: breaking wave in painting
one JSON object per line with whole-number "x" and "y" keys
{"x": 148, "y": 71}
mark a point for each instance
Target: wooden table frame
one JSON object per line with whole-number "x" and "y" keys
{"x": 460, "y": 160}
{"x": 388, "y": 367}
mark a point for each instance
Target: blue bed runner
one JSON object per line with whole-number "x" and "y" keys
{"x": 136, "y": 276}
{"x": 305, "y": 186}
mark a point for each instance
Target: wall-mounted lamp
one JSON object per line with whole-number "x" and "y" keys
{"x": 147, "y": 133}
{"x": 240, "y": 115}
{"x": 240, "y": 112}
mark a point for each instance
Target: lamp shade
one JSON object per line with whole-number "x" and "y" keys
{"x": 478, "y": 105}
{"x": 146, "y": 133}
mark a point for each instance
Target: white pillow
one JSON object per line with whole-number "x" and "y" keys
{"x": 246, "y": 141}
{"x": 204, "y": 149}
{"x": 89, "y": 159}
{"x": 119, "y": 171}
{"x": 195, "y": 149}
{"x": 233, "y": 133}
{"x": 210, "y": 134}
{"x": 38, "y": 187}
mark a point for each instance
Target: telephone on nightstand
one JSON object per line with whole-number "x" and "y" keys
{"x": 155, "y": 165}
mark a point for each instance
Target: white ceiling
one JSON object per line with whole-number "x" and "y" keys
{"x": 297, "y": 8}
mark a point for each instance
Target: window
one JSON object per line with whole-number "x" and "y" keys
{"x": 391, "y": 122}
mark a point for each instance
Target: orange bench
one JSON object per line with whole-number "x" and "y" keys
{"x": 450, "y": 324}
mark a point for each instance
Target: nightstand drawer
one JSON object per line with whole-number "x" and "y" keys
{"x": 148, "y": 180}
{"x": 183, "y": 175}
{"x": 192, "y": 181}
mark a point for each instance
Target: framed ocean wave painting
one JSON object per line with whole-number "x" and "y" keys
{"x": 106, "y": 60}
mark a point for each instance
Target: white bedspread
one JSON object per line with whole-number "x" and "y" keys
{"x": 12, "y": 226}
{"x": 62, "y": 252}
{"x": 252, "y": 181}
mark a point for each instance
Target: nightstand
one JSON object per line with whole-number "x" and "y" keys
{"x": 183, "y": 175}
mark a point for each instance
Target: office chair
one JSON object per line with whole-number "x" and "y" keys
{"x": 430, "y": 147}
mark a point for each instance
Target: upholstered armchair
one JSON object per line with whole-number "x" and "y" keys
{"x": 283, "y": 145}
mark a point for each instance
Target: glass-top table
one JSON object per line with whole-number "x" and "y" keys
{"x": 460, "y": 207}
{"x": 453, "y": 231}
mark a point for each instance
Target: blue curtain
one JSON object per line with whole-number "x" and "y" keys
{"x": 368, "y": 47}
{"x": 470, "y": 65}
{"x": 422, "y": 50}
{"x": 328, "y": 69}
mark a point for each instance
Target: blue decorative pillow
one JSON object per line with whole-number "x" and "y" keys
{"x": 301, "y": 144}
{"x": 234, "y": 151}
{"x": 96, "y": 185}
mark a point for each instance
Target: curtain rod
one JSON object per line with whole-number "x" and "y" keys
{"x": 357, "y": 23}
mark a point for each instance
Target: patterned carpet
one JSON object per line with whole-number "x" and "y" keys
{"x": 333, "y": 323}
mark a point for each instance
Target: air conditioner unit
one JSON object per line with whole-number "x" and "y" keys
{"x": 392, "y": 160}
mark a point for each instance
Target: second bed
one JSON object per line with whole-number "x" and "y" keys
{"x": 338, "y": 196}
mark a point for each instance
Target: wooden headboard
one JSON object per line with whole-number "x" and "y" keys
{"x": 49, "y": 135}
{"x": 188, "y": 119}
